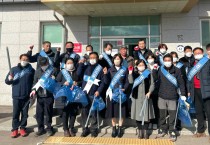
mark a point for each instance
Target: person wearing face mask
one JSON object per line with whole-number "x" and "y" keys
{"x": 199, "y": 88}
{"x": 114, "y": 81}
{"x": 105, "y": 59}
{"x": 95, "y": 71}
{"x": 141, "y": 48}
{"x": 170, "y": 78}
{"x": 141, "y": 91}
{"x": 70, "y": 110}
{"x": 153, "y": 67}
{"x": 89, "y": 49}
{"x": 60, "y": 58}
{"x": 162, "y": 51}
{"x": 45, "y": 52}
{"x": 21, "y": 79}
{"x": 45, "y": 99}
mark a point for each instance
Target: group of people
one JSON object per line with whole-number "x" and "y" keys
{"x": 148, "y": 85}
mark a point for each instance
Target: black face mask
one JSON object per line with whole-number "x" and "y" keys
{"x": 69, "y": 49}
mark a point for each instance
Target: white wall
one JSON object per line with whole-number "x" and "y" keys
{"x": 187, "y": 25}
{"x": 21, "y": 28}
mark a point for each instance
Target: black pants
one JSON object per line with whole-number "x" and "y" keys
{"x": 18, "y": 109}
{"x": 92, "y": 120}
{"x": 44, "y": 107}
{"x": 140, "y": 126}
{"x": 171, "y": 121}
{"x": 69, "y": 116}
{"x": 201, "y": 107}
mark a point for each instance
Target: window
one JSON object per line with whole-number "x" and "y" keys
{"x": 52, "y": 32}
{"x": 205, "y": 32}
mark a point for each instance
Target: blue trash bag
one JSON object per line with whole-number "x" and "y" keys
{"x": 183, "y": 114}
{"x": 192, "y": 106}
{"x": 116, "y": 95}
{"x": 98, "y": 104}
{"x": 79, "y": 96}
{"x": 66, "y": 92}
{"x": 51, "y": 85}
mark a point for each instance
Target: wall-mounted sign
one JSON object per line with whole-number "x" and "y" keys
{"x": 180, "y": 48}
{"x": 78, "y": 47}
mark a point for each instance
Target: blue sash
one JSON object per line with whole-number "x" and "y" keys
{"x": 92, "y": 79}
{"x": 107, "y": 59}
{"x": 197, "y": 67}
{"x": 139, "y": 80}
{"x": 179, "y": 65}
{"x": 22, "y": 73}
{"x": 114, "y": 81}
{"x": 67, "y": 76}
{"x": 73, "y": 55}
{"x": 170, "y": 77}
{"x": 161, "y": 59}
{"x": 125, "y": 63}
{"x": 142, "y": 57}
{"x": 43, "y": 54}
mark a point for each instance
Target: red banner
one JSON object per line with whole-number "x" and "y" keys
{"x": 78, "y": 47}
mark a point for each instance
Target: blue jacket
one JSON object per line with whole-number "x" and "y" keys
{"x": 87, "y": 70}
{"x": 21, "y": 87}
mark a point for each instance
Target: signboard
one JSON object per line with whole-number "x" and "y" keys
{"x": 78, "y": 47}
{"x": 180, "y": 48}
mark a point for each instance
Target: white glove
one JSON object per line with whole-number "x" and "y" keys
{"x": 32, "y": 93}
{"x": 100, "y": 56}
{"x": 183, "y": 98}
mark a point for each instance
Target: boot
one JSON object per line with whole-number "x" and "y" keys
{"x": 140, "y": 134}
{"x": 120, "y": 132}
{"x": 114, "y": 131}
{"x": 146, "y": 134}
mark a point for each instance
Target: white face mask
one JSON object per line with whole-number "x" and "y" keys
{"x": 141, "y": 68}
{"x": 162, "y": 50}
{"x": 175, "y": 59}
{"x": 88, "y": 52}
{"x": 24, "y": 63}
{"x": 117, "y": 62}
{"x": 44, "y": 67}
{"x": 188, "y": 54}
{"x": 198, "y": 56}
{"x": 151, "y": 61}
{"x": 69, "y": 66}
{"x": 92, "y": 61}
{"x": 108, "y": 52}
{"x": 167, "y": 64}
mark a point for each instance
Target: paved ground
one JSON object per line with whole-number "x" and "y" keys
{"x": 6, "y": 112}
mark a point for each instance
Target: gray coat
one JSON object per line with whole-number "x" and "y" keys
{"x": 138, "y": 102}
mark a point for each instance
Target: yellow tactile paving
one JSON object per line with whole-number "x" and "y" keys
{"x": 109, "y": 141}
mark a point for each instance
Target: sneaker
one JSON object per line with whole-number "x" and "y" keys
{"x": 39, "y": 133}
{"x": 161, "y": 133}
{"x": 173, "y": 136}
{"x": 23, "y": 132}
{"x": 14, "y": 134}
{"x": 85, "y": 133}
{"x": 50, "y": 133}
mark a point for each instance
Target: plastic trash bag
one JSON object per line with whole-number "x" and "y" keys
{"x": 98, "y": 104}
{"x": 192, "y": 106}
{"x": 79, "y": 96}
{"x": 117, "y": 93}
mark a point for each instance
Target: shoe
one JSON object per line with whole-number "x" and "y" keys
{"x": 120, "y": 132}
{"x": 50, "y": 133}
{"x": 85, "y": 132}
{"x": 39, "y": 133}
{"x": 72, "y": 133}
{"x": 23, "y": 132}
{"x": 66, "y": 133}
{"x": 146, "y": 134}
{"x": 94, "y": 133}
{"x": 14, "y": 134}
{"x": 173, "y": 136}
{"x": 114, "y": 131}
{"x": 198, "y": 135}
{"x": 140, "y": 134}
{"x": 161, "y": 133}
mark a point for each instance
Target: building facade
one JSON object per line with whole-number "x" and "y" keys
{"x": 30, "y": 22}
